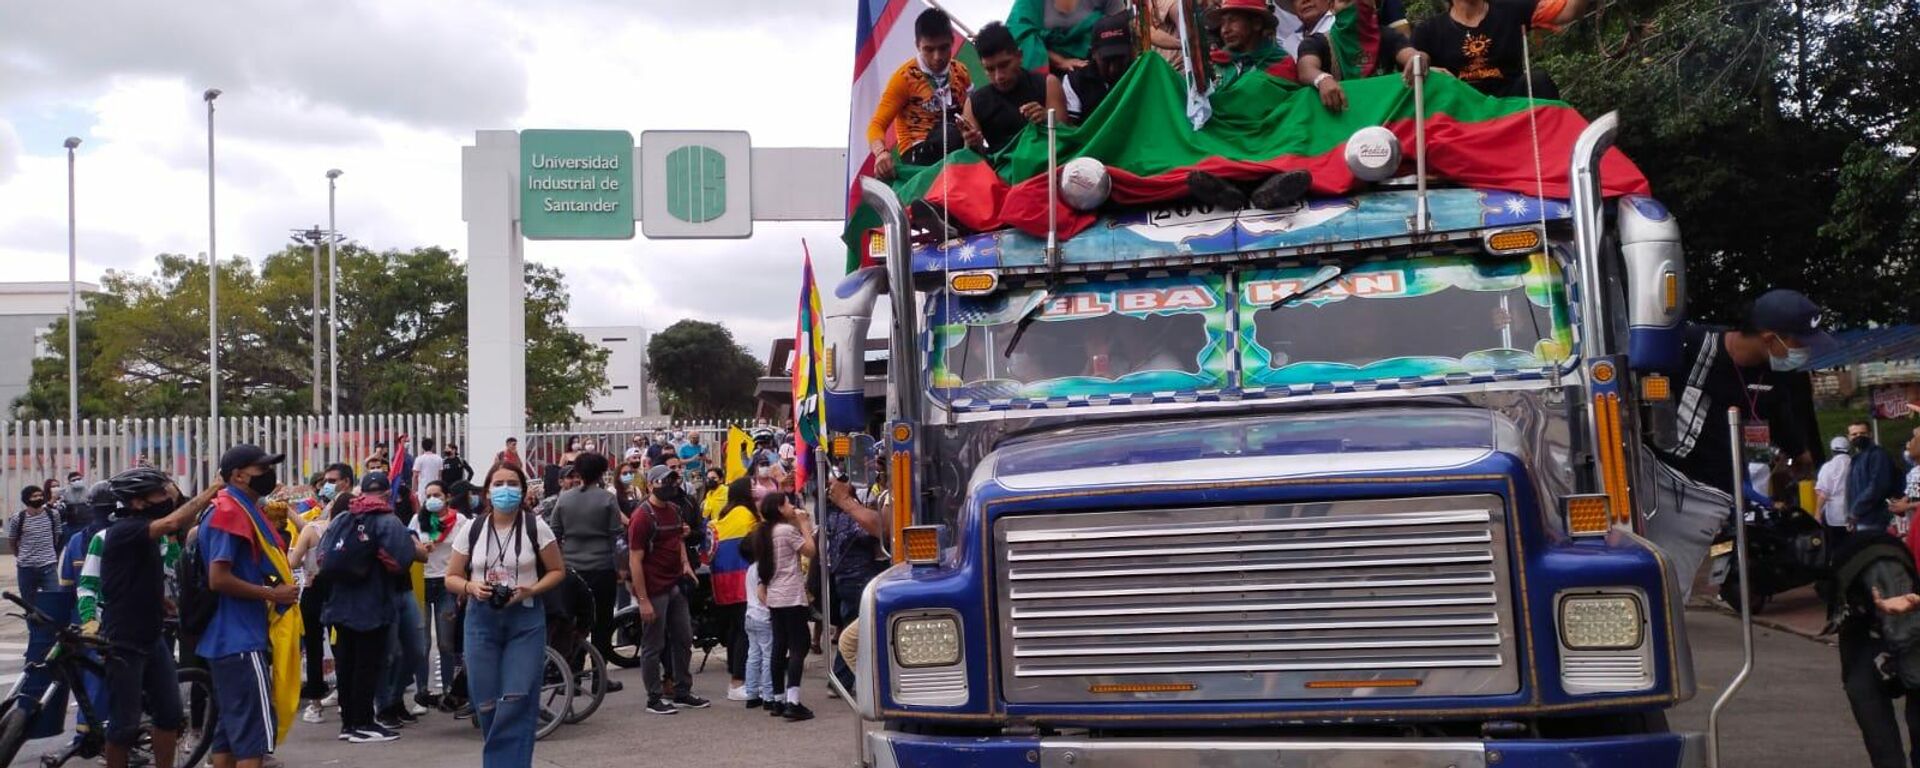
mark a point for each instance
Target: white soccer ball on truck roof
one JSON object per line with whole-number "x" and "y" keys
{"x": 1084, "y": 183}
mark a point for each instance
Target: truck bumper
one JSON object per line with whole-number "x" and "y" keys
{"x": 897, "y": 750}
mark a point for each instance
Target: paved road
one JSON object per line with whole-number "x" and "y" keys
{"x": 1792, "y": 713}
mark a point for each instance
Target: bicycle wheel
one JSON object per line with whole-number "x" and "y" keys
{"x": 592, "y": 686}
{"x": 13, "y": 732}
{"x": 625, "y": 644}
{"x": 196, "y": 699}
{"x": 555, "y": 695}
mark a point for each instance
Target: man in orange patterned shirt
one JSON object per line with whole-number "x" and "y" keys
{"x": 922, "y": 101}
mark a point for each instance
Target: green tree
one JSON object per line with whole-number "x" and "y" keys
{"x": 402, "y": 340}
{"x": 701, "y": 371}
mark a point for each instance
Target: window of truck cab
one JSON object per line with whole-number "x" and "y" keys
{"x": 1403, "y": 319}
{"x": 1101, "y": 337}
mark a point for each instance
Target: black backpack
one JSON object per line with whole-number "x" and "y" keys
{"x": 348, "y": 551}
{"x": 197, "y": 600}
{"x": 526, "y": 522}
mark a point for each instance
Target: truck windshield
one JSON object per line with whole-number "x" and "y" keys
{"x": 1403, "y": 318}
{"x": 1119, "y": 335}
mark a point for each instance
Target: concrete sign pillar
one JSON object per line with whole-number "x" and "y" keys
{"x": 496, "y": 295}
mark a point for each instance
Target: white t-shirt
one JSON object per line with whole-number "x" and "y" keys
{"x": 503, "y": 555}
{"x": 1832, "y": 481}
{"x": 437, "y": 559}
{"x": 427, "y": 468}
{"x": 756, "y": 608}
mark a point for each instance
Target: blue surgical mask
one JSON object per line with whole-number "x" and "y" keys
{"x": 435, "y": 504}
{"x": 1795, "y": 358}
{"x": 626, "y": 478}
{"x": 327, "y": 491}
{"x": 505, "y": 498}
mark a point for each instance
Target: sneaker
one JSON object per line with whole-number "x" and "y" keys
{"x": 754, "y": 703}
{"x": 659, "y": 706}
{"x": 384, "y": 723}
{"x": 776, "y": 708}
{"x": 1215, "y": 191}
{"x": 396, "y": 716}
{"x": 375, "y": 735}
{"x": 463, "y": 712}
{"x": 615, "y": 686}
{"x": 798, "y": 712}
{"x": 415, "y": 710}
{"x": 332, "y": 699}
{"x": 312, "y": 714}
{"x": 1281, "y": 190}
{"x": 832, "y": 692}
{"x": 737, "y": 693}
{"x": 426, "y": 701}
{"x": 690, "y": 701}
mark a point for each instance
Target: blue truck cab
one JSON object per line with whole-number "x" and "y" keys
{"x": 1322, "y": 486}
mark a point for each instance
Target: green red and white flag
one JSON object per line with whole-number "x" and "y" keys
{"x": 1260, "y": 125}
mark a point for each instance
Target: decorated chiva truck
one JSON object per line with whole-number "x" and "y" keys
{"x": 1350, "y": 483}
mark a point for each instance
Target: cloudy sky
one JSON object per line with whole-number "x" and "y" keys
{"x": 389, "y": 92}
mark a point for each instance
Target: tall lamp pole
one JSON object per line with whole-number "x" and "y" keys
{"x": 73, "y": 300}
{"x": 333, "y": 316}
{"x": 312, "y": 236}
{"x": 213, "y": 292}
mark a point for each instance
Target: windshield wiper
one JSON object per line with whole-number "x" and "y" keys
{"x": 1289, "y": 299}
{"x": 1027, "y": 319}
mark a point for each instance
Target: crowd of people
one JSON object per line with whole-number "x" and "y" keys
{"x": 508, "y": 555}
{"x": 1065, "y": 57}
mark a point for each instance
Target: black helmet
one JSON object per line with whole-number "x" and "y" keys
{"x": 100, "y": 496}
{"x": 138, "y": 482}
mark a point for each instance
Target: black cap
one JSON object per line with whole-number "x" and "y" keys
{"x": 1113, "y": 36}
{"x": 247, "y": 455}
{"x": 1792, "y": 315}
{"x": 374, "y": 482}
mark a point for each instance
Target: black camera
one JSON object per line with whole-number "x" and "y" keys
{"x": 498, "y": 595}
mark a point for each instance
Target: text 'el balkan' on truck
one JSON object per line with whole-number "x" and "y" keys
{"x": 1346, "y": 483}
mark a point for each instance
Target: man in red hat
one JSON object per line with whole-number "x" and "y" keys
{"x": 1247, "y": 34}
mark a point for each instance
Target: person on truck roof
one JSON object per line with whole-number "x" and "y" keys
{"x": 1481, "y": 42}
{"x": 1319, "y": 68}
{"x": 1247, "y": 36}
{"x": 922, "y": 101}
{"x": 1012, "y": 98}
{"x": 1057, "y": 35}
{"x": 1082, "y": 90}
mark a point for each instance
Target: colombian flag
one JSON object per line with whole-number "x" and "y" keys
{"x": 729, "y": 563}
{"x": 739, "y": 447}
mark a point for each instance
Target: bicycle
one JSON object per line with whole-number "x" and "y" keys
{"x": 65, "y": 662}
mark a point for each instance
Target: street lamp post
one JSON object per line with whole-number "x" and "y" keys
{"x": 73, "y": 300}
{"x": 333, "y": 316}
{"x": 312, "y": 237}
{"x": 213, "y": 292}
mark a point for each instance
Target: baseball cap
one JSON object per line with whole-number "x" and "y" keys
{"x": 1792, "y": 315}
{"x": 1838, "y": 444}
{"x": 633, "y": 453}
{"x": 247, "y": 455}
{"x": 657, "y": 475}
{"x": 1113, "y": 36}
{"x": 375, "y": 482}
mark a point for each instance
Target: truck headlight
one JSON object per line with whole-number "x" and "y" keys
{"x": 929, "y": 641}
{"x": 1600, "y": 622}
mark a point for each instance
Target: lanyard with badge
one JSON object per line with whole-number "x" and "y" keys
{"x": 499, "y": 572}
{"x": 1756, "y": 438}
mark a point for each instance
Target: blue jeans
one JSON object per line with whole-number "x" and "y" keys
{"x": 406, "y": 652}
{"x": 445, "y": 624}
{"x": 759, "y": 647}
{"x": 505, "y": 655}
{"x": 37, "y": 579}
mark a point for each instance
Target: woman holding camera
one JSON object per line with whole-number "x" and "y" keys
{"x": 505, "y": 562}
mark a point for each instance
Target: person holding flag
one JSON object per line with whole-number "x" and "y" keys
{"x": 247, "y": 572}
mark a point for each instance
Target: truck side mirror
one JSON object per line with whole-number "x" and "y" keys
{"x": 848, "y": 311}
{"x": 1656, "y": 272}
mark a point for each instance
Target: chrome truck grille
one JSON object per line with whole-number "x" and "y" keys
{"x": 1379, "y": 598}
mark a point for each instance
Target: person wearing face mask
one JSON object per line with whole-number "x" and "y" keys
{"x": 34, "y": 533}
{"x": 234, "y": 542}
{"x": 504, "y": 565}
{"x": 435, "y": 526}
{"x": 334, "y": 492}
{"x": 140, "y": 673}
{"x": 657, "y": 558}
{"x": 1754, "y": 367}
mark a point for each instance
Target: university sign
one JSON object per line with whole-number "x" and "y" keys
{"x": 576, "y": 185}
{"x": 696, "y": 184}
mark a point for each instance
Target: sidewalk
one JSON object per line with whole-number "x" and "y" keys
{"x": 12, "y": 630}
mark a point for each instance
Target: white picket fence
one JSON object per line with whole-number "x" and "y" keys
{"x": 33, "y": 451}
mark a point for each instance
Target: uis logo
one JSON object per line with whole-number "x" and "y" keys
{"x": 696, "y": 184}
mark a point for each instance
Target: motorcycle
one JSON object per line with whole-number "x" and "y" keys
{"x": 1786, "y": 549}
